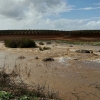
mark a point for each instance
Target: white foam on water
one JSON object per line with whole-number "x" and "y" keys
{"x": 61, "y": 59}
{"x": 64, "y": 61}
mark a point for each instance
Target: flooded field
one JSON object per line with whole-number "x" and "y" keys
{"x": 75, "y": 75}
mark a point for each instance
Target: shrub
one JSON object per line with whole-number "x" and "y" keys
{"x": 20, "y": 43}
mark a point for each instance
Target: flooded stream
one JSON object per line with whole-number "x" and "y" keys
{"x": 70, "y": 72}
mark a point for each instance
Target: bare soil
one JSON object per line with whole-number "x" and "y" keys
{"x": 57, "y": 36}
{"x": 75, "y": 75}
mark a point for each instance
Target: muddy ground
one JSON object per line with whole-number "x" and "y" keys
{"x": 75, "y": 75}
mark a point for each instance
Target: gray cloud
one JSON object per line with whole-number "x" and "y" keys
{"x": 19, "y": 9}
{"x": 11, "y": 9}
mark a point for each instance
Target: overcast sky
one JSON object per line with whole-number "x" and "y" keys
{"x": 50, "y": 14}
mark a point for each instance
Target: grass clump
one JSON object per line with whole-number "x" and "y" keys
{"x": 5, "y": 95}
{"x": 20, "y": 43}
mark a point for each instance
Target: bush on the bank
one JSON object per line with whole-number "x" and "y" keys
{"x": 20, "y": 43}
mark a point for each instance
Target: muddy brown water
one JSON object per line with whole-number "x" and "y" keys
{"x": 75, "y": 75}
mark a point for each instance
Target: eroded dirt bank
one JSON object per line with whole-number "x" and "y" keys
{"x": 69, "y": 73}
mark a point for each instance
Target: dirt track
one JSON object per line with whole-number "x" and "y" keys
{"x": 69, "y": 73}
